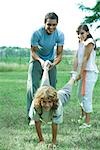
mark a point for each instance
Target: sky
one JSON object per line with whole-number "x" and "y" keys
{"x": 20, "y": 18}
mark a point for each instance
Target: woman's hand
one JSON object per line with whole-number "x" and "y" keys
{"x": 78, "y": 77}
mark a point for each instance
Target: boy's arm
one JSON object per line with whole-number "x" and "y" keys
{"x": 39, "y": 131}
{"x": 54, "y": 132}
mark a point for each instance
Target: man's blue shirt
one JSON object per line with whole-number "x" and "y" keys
{"x": 47, "y": 42}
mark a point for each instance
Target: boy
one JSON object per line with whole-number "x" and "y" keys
{"x": 47, "y": 105}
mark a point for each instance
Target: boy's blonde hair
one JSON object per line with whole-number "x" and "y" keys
{"x": 47, "y": 93}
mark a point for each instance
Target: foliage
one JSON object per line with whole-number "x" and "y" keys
{"x": 9, "y": 65}
{"x": 95, "y": 17}
{"x": 14, "y": 55}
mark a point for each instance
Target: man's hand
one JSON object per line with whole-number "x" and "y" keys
{"x": 47, "y": 64}
{"x": 51, "y": 66}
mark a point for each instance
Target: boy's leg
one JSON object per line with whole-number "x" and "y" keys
{"x": 71, "y": 81}
{"x": 29, "y": 87}
{"x": 64, "y": 93}
{"x": 52, "y": 76}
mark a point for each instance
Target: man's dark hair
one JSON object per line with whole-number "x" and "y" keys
{"x": 50, "y": 15}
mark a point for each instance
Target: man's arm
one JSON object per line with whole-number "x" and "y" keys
{"x": 58, "y": 55}
{"x": 35, "y": 56}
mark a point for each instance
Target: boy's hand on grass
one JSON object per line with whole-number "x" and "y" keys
{"x": 52, "y": 146}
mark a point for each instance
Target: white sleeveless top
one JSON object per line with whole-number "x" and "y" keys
{"x": 91, "y": 65}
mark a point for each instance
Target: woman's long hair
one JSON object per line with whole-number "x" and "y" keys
{"x": 85, "y": 28}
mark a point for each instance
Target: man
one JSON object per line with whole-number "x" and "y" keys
{"x": 43, "y": 42}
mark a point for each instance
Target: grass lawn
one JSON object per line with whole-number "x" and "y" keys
{"x": 15, "y": 134}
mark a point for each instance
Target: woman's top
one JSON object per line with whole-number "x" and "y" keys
{"x": 91, "y": 65}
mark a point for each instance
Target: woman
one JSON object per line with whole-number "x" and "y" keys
{"x": 88, "y": 72}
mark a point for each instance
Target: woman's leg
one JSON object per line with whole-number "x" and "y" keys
{"x": 87, "y": 98}
{"x": 82, "y": 112}
{"x": 87, "y": 119}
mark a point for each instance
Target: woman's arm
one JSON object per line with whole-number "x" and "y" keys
{"x": 75, "y": 64}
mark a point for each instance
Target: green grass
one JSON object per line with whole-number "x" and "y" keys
{"x": 15, "y": 134}
{"x": 6, "y": 67}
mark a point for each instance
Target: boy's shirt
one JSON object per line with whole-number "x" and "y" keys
{"x": 55, "y": 116}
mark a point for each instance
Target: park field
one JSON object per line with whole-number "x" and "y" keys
{"x": 16, "y": 134}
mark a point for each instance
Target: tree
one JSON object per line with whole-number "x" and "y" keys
{"x": 95, "y": 17}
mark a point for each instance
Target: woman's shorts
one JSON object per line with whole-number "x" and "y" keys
{"x": 86, "y": 100}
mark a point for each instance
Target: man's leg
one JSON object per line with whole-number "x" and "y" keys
{"x": 34, "y": 77}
